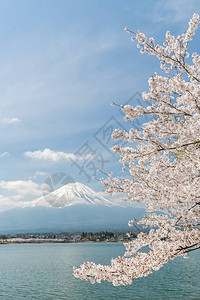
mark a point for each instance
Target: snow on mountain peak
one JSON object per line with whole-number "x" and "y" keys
{"x": 71, "y": 194}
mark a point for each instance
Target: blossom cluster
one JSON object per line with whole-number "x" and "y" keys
{"x": 163, "y": 162}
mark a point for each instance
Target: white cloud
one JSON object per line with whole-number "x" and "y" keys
{"x": 171, "y": 11}
{"x": 48, "y": 154}
{"x": 4, "y": 154}
{"x": 7, "y": 203}
{"x": 22, "y": 187}
{"x": 4, "y": 200}
{"x": 11, "y": 120}
{"x": 17, "y": 197}
{"x": 46, "y": 189}
{"x": 39, "y": 173}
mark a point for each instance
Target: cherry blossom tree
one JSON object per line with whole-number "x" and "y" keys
{"x": 163, "y": 162}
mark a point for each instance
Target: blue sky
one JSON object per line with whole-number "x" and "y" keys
{"x": 61, "y": 65}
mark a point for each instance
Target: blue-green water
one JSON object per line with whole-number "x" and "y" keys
{"x": 44, "y": 271}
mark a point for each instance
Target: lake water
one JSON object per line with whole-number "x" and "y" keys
{"x": 44, "y": 271}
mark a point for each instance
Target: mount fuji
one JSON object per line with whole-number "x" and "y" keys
{"x": 73, "y": 207}
{"x": 71, "y": 194}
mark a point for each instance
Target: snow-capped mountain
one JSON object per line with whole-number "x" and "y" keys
{"x": 73, "y": 207}
{"x": 71, "y": 194}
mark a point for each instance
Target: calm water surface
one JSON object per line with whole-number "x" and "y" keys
{"x": 44, "y": 271}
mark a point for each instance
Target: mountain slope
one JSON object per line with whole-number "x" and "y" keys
{"x": 72, "y": 218}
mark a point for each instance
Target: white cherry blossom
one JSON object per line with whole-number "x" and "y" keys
{"x": 163, "y": 161}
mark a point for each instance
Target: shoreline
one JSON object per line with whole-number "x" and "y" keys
{"x": 57, "y": 242}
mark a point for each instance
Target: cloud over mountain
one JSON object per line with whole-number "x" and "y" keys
{"x": 22, "y": 187}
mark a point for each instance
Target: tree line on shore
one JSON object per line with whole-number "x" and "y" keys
{"x": 102, "y": 236}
